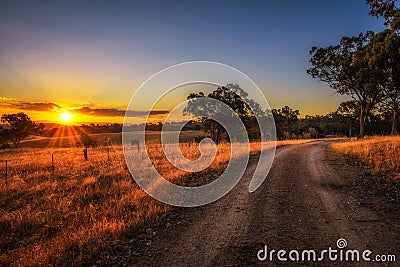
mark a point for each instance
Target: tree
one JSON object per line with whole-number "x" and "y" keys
{"x": 387, "y": 10}
{"x": 88, "y": 141}
{"x": 304, "y": 126}
{"x": 385, "y": 54}
{"x": 342, "y": 121}
{"x": 285, "y": 120}
{"x": 231, "y": 95}
{"x": 348, "y": 112}
{"x": 19, "y": 126}
{"x": 4, "y": 137}
{"x": 346, "y": 68}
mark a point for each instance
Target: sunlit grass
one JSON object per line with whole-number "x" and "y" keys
{"x": 381, "y": 153}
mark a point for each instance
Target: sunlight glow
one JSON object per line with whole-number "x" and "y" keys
{"x": 66, "y": 117}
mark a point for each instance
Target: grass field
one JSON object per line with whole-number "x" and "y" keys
{"x": 103, "y": 138}
{"x": 72, "y": 213}
{"x": 382, "y": 154}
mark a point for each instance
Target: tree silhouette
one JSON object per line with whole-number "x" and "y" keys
{"x": 231, "y": 95}
{"x": 285, "y": 121}
{"x": 19, "y": 126}
{"x": 88, "y": 141}
{"x": 4, "y": 137}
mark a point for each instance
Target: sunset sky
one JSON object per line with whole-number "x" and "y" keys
{"x": 87, "y": 58}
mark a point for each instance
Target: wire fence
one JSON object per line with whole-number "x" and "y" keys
{"x": 25, "y": 162}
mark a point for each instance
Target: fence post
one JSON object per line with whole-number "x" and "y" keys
{"x": 85, "y": 153}
{"x": 52, "y": 162}
{"x": 6, "y": 171}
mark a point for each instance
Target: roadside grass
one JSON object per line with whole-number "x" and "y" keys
{"x": 382, "y": 154}
{"x": 72, "y": 214}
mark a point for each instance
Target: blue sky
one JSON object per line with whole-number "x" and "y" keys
{"x": 98, "y": 52}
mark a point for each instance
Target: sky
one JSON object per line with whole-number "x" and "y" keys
{"x": 87, "y": 58}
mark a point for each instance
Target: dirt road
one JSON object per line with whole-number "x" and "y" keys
{"x": 311, "y": 199}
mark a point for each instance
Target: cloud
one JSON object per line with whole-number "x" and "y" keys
{"x": 3, "y": 98}
{"x": 32, "y": 106}
{"x": 38, "y": 106}
{"x": 113, "y": 112}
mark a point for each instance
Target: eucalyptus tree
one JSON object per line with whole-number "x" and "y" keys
{"x": 384, "y": 54}
{"x": 347, "y": 69}
{"x": 231, "y": 95}
{"x": 19, "y": 126}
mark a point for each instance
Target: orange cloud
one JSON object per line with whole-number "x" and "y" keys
{"x": 37, "y": 106}
{"x": 113, "y": 112}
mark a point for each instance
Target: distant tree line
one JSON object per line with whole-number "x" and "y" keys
{"x": 366, "y": 67}
{"x": 344, "y": 121}
{"x": 56, "y": 130}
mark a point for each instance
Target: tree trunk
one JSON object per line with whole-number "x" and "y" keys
{"x": 363, "y": 118}
{"x": 213, "y": 131}
{"x": 350, "y": 130}
{"x": 218, "y": 137}
{"x": 394, "y": 123}
{"x": 16, "y": 142}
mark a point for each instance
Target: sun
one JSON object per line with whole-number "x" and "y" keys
{"x": 66, "y": 117}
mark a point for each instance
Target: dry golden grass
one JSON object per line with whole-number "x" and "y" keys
{"x": 381, "y": 153}
{"x": 71, "y": 215}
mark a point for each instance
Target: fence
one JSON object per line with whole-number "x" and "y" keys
{"x": 49, "y": 162}
{"x": 26, "y": 161}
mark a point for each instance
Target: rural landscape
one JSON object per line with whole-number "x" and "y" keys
{"x": 68, "y": 197}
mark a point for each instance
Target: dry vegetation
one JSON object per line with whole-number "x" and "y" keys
{"x": 72, "y": 214}
{"x": 102, "y": 138}
{"x": 382, "y": 154}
